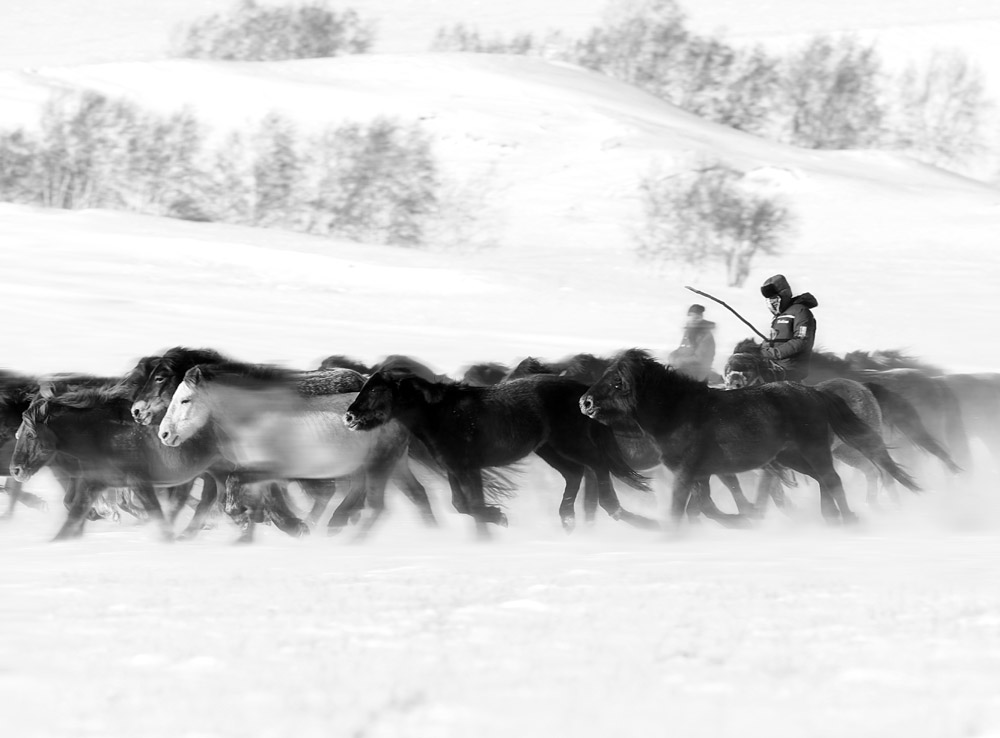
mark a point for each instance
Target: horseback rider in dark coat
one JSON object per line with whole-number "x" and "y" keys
{"x": 793, "y": 329}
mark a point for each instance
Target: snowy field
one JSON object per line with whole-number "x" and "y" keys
{"x": 890, "y": 628}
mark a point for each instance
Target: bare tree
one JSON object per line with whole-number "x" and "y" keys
{"x": 940, "y": 109}
{"x": 710, "y": 214}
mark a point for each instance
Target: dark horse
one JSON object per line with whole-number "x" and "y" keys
{"x": 469, "y": 429}
{"x": 702, "y": 431}
{"x": 639, "y": 451}
{"x": 876, "y": 405}
{"x": 935, "y": 401}
{"x": 88, "y": 437}
{"x": 16, "y": 393}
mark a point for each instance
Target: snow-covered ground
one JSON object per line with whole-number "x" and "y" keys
{"x": 892, "y": 628}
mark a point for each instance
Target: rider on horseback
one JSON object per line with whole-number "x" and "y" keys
{"x": 793, "y": 329}
{"x": 696, "y": 353}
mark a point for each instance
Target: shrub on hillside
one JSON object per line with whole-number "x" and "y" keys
{"x": 939, "y": 109}
{"x": 831, "y": 93}
{"x": 376, "y": 181}
{"x": 833, "y": 88}
{"x": 709, "y": 215}
{"x": 250, "y": 32}
{"x": 96, "y": 152}
{"x": 460, "y": 37}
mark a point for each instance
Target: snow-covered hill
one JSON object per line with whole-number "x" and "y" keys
{"x": 880, "y": 240}
{"x": 790, "y": 629}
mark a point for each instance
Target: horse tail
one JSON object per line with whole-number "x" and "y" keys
{"x": 857, "y": 433}
{"x": 956, "y": 437}
{"x": 497, "y": 482}
{"x": 606, "y": 442}
{"x": 899, "y": 413}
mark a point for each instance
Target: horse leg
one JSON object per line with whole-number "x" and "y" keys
{"x": 320, "y": 491}
{"x": 817, "y": 461}
{"x": 591, "y": 495}
{"x": 147, "y": 495}
{"x": 235, "y": 504}
{"x": 405, "y": 479}
{"x": 679, "y": 496}
{"x": 732, "y": 483}
{"x": 209, "y": 494}
{"x": 178, "y": 496}
{"x": 609, "y": 501}
{"x": 351, "y": 506}
{"x": 13, "y": 493}
{"x": 81, "y": 495}
{"x": 703, "y": 502}
{"x": 278, "y": 511}
{"x": 377, "y": 476}
{"x": 470, "y": 488}
{"x": 572, "y": 473}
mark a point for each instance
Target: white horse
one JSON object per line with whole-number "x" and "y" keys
{"x": 270, "y": 431}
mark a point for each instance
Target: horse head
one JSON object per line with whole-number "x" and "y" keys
{"x": 157, "y": 378}
{"x": 386, "y": 396}
{"x": 374, "y": 404}
{"x": 36, "y": 442}
{"x": 748, "y": 367}
{"x": 612, "y": 398}
{"x": 189, "y": 410}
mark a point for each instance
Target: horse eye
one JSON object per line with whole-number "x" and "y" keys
{"x": 185, "y": 402}
{"x": 159, "y": 379}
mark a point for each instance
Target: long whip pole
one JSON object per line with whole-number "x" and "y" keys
{"x": 716, "y": 299}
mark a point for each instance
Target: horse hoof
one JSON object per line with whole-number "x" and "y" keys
{"x": 66, "y": 536}
{"x": 569, "y": 524}
{"x": 501, "y": 520}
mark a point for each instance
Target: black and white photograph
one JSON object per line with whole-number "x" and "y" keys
{"x": 463, "y": 369}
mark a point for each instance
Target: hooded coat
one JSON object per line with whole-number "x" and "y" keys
{"x": 697, "y": 350}
{"x": 793, "y": 329}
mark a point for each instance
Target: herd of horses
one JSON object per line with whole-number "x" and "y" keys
{"x": 139, "y": 443}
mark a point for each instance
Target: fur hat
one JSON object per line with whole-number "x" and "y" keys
{"x": 696, "y": 309}
{"x": 776, "y": 286}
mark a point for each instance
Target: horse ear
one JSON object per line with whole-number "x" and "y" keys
{"x": 194, "y": 376}
{"x": 47, "y": 389}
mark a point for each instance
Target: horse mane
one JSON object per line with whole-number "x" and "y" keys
{"x": 485, "y": 374}
{"x": 239, "y": 373}
{"x": 181, "y": 358}
{"x": 401, "y": 365}
{"x": 586, "y": 368}
{"x": 339, "y": 361}
{"x": 529, "y": 366}
{"x": 826, "y": 360}
{"x": 641, "y": 369}
{"x": 85, "y": 398}
{"x": 319, "y": 382}
{"x": 882, "y": 359}
{"x": 747, "y": 346}
{"x": 16, "y": 389}
{"x": 87, "y": 394}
